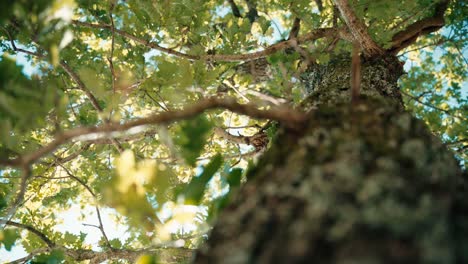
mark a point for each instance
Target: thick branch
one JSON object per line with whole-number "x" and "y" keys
{"x": 259, "y": 140}
{"x": 313, "y": 35}
{"x": 358, "y": 29}
{"x": 425, "y": 26}
{"x": 287, "y": 116}
{"x": 124, "y": 137}
{"x": 164, "y": 255}
{"x": 230, "y": 137}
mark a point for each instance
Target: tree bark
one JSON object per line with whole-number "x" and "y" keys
{"x": 359, "y": 183}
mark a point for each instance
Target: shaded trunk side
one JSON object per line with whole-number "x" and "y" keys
{"x": 361, "y": 183}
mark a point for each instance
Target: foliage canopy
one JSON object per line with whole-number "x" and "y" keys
{"x": 145, "y": 114}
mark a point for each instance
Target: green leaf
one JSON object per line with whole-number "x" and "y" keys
{"x": 24, "y": 102}
{"x": 161, "y": 185}
{"x": 69, "y": 238}
{"x": 3, "y": 202}
{"x": 323, "y": 58}
{"x": 191, "y": 136}
{"x": 115, "y": 243}
{"x": 216, "y": 206}
{"x": 193, "y": 193}
{"x": 62, "y": 197}
{"x": 8, "y": 238}
{"x": 234, "y": 177}
{"x": 146, "y": 259}
{"x": 264, "y": 24}
{"x": 54, "y": 257}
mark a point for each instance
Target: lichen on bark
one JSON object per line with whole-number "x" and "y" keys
{"x": 360, "y": 183}
{"x": 329, "y": 84}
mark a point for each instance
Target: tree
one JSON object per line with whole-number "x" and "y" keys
{"x": 349, "y": 157}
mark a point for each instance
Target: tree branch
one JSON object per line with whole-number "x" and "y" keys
{"x": 90, "y": 96}
{"x": 319, "y": 4}
{"x": 358, "y": 29}
{"x": 253, "y": 13}
{"x": 230, "y": 137}
{"x": 11, "y": 211}
{"x": 454, "y": 143}
{"x": 30, "y": 256}
{"x": 124, "y": 137}
{"x": 290, "y": 118}
{"x": 111, "y": 55}
{"x": 448, "y": 113}
{"x": 234, "y": 8}
{"x": 425, "y": 26}
{"x": 295, "y": 28}
{"x": 313, "y": 35}
{"x": 31, "y": 229}
{"x": 73, "y": 76}
{"x": 81, "y": 85}
{"x": 98, "y": 212}
{"x": 64, "y": 66}
{"x": 164, "y": 255}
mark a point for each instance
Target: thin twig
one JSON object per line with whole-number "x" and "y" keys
{"x": 295, "y": 28}
{"x": 432, "y": 106}
{"x": 252, "y": 15}
{"x": 73, "y": 76}
{"x": 319, "y": 4}
{"x": 26, "y": 175}
{"x": 111, "y": 55}
{"x": 235, "y": 9}
{"x": 156, "y": 101}
{"x": 460, "y": 53}
{"x": 31, "y": 229}
{"x": 437, "y": 43}
{"x": 101, "y": 226}
{"x": 30, "y": 256}
{"x": 313, "y": 35}
{"x": 453, "y": 143}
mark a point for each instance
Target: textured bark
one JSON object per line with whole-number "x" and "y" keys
{"x": 360, "y": 183}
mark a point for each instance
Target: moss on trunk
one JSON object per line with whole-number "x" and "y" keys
{"x": 361, "y": 183}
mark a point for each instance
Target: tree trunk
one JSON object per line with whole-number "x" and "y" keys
{"x": 362, "y": 182}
